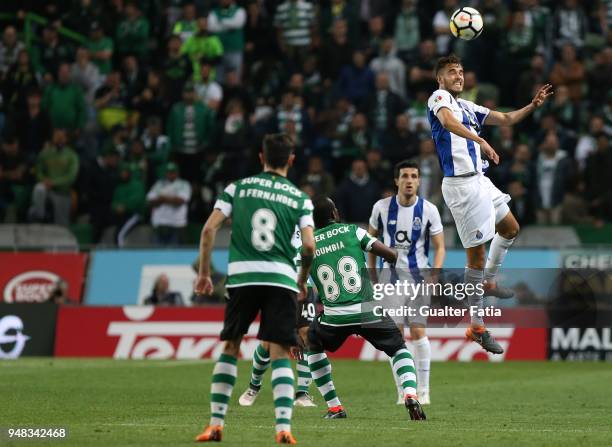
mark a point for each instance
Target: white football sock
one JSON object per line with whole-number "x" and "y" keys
{"x": 422, "y": 352}
{"x": 497, "y": 252}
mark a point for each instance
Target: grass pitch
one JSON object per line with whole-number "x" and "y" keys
{"x": 159, "y": 403}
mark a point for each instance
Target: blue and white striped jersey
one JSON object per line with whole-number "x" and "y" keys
{"x": 457, "y": 155}
{"x": 407, "y": 229}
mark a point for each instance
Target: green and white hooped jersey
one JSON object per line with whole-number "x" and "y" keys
{"x": 266, "y": 208}
{"x": 337, "y": 272}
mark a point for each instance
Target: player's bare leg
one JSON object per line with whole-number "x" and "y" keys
{"x": 474, "y": 274}
{"x": 283, "y": 391}
{"x": 422, "y": 353}
{"x": 506, "y": 231}
{"x": 223, "y": 381}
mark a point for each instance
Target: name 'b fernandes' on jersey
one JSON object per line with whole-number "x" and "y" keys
{"x": 408, "y": 229}
{"x": 266, "y": 209}
{"x": 457, "y": 155}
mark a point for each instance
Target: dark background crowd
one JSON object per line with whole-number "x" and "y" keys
{"x": 120, "y": 112}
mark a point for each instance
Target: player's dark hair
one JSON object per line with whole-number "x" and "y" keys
{"x": 447, "y": 60}
{"x": 277, "y": 148}
{"x": 405, "y": 164}
{"x": 323, "y": 213}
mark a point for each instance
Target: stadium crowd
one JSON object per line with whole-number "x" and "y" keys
{"x": 160, "y": 103}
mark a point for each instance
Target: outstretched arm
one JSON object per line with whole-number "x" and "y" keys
{"x": 516, "y": 116}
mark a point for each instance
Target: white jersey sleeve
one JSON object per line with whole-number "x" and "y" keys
{"x": 375, "y": 216}
{"x": 435, "y": 222}
{"x": 439, "y": 99}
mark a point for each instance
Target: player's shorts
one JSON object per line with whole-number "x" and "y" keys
{"x": 476, "y": 205}
{"x": 277, "y": 305}
{"x": 383, "y": 335}
{"x": 308, "y": 310}
{"x": 413, "y": 315}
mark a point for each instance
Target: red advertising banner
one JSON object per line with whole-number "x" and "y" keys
{"x": 133, "y": 332}
{"x": 30, "y": 277}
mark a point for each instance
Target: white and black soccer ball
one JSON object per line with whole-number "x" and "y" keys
{"x": 466, "y": 23}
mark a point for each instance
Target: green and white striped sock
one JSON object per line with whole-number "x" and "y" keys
{"x": 304, "y": 377}
{"x": 321, "y": 369}
{"x": 403, "y": 367}
{"x": 261, "y": 362}
{"x": 223, "y": 381}
{"x": 282, "y": 390}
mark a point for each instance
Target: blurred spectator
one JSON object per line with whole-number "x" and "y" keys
{"x": 207, "y": 89}
{"x": 536, "y": 75}
{"x": 561, "y": 106}
{"x": 234, "y": 89}
{"x": 575, "y": 209}
{"x": 111, "y": 102}
{"x": 600, "y": 75}
{"x": 295, "y": 27}
{"x": 10, "y": 46}
{"x": 190, "y": 127}
{"x": 101, "y": 178}
{"x": 227, "y": 21}
{"x": 259, "y": 32}
{"x": 65, "y": 102}
{"x": 132, "y": 35}
{"x": 356, "y": 80}
{"x": 57, "y": 167}
{"x": 356, "y": 142}
{"x": 152, "y": 99}
{"x": 81, "y": 14}
{"x": 187, "y": 25}
{"x": 291, "y": 109}
{"x": 101, "y": 48}
{"x": 13, "y": 173}
{"x": 128, "y": 202}
{"x": 553, "y": 171}
{"x": 378, "y": 168}
{"x": 176, "y": 68}
{"x": 520, "y": 184}
{"x": 598, "y": 189}
{"x": 570, "y": 24}
{"x": 587, "y": 143}
{"x": 133, "y": 78}
{"x": 421, "y": 75}
{"x": 569, "y": 71}
{"x": 470, "y": 87}
{"x": 161, "y": 294}
{"x": 383, "y": 106}
{"x": 117, "y": 141}
{"x": 335, "y": 11}
{"x": 321, "y": 181}
{"x": 336, "y": 52}
{"x": 357, "y": 194}
{"x": 407, "y": 31}
{"x": 417, "y": 112}
{"x": 387, "y": 62}
{"x": 402, "y": 143}
{"x": 32, "y": 126}
{"x": 429, "y": 172}
{"x": 376, "y": 34}
{"x": 504, "y": 141}
{"x": 441, "y": 28}
{"x": 20, "y": 78}
{"x": 202, "y": 47}
{"x": 85, "y": 74}
{"x": 168, "y": 199}
{"x": 49, "y": 54}
{"x": 137, "y": 160}
{"x": 157, "y": 148}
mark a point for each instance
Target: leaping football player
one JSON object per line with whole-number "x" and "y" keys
{"x": 480, "y": 210}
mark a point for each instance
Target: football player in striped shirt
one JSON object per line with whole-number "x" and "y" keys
{"x": 348, "y": 300}
{"x": 409, "y": 224}
{"x": 480, "y": 210}
{"x": 261, "y": 278}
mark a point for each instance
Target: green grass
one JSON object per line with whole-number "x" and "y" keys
{"x": 151, "y": 403}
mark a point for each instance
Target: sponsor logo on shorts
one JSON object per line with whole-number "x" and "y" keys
{"x": 478, "y": 235}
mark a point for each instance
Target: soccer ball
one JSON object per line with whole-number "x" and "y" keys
{"x": 466, "y": 23}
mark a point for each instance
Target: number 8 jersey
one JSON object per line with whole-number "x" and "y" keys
{"x": 338, "y": 271}
{"x": 265, "y": 210}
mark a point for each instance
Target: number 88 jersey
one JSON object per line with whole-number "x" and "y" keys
{"x": 339, "y": 272}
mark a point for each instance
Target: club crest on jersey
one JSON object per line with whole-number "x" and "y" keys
{"x": 416, "y": 224}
